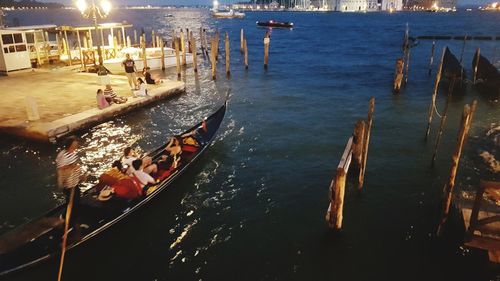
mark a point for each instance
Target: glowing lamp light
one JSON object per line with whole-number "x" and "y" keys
{"x": 216, "y": 3}
{"x": 494, "y": 5}
{"x": 106, "y": 6}
{"x": 81, "y": 5}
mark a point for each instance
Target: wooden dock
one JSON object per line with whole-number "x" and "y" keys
{"x": 483, "y": 225}
{"x": 66, "y": 103}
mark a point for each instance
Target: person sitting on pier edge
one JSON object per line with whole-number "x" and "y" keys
{"x": 101, "y": 100}
{"x": 130, "y": 71}
{"x": 149, "y": 79}
{"x": 143, "y": 177}
{"x": 111, "y": 96}
{"x": 142, "y": 91}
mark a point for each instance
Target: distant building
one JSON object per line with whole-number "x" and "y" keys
{"x": 431, "y": 4}
{"x": 366, "y": 5}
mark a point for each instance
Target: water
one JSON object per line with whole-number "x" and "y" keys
{"x": 253, "y": 207}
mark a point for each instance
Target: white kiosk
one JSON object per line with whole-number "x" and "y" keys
{"x": 14, "y": 54}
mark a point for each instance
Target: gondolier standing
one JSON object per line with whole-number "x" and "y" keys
{"x": 70, "y": 173}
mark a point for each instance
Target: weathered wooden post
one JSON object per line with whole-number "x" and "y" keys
{"x": 115, "y": 46}
{"x": 191, "y": 37}
{"x": 443, "y": 121}
{"x": 455, "y": 160}
{"x": 195, "y": 54}
{"x": 358, "y": 143}
{"x": 213, "y": 58}
{"x": 143, "y": 46}
{"x": 407, "y": 64}
{"x": 267, "y": 41}
{"x": 177, "y": 57}
{"x": 162, "y": 46}
{"x": 135, "y": 37}
{"x": 246, "y": 52}
{"x": 431, "y": 60}
{"x": 67, "y": 49}
{"x": 242, "y": 38}
{"x": 217, "y": 40}
{"x": 434, "y": 93}
{"x": 153, "y": 37}
{"x": 334, "y": 214}
{"x": 478, "y": 53}
{"x": 228, "y": 53}
{"x": 366, "y": 142}
{"x": 183, "y": 48}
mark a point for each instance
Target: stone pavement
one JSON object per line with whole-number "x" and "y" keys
{"x": 66, "y": 101}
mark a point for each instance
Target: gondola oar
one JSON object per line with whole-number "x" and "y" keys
{"x": 66, "y": 226}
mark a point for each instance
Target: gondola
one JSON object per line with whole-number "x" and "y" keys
{"x": 275, "y": 24}
{"x": 487, "y": 76}
{"x": 453, "y": 72}
{"x": 40, "y": 239}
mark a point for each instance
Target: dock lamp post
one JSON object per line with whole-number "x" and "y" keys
{"x": 92, "y": 11}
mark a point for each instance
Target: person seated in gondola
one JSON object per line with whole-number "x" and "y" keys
{"x": 111, "y": 176}
{"x": 192, "y": 140}
{"x": 129, "y": 155}
{"x": 166, "y": 165}
{"x": 174, "y": 147}
{"x": 143, "y": 177}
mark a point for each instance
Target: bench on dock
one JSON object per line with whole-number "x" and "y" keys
{"x": 483, "y": 226}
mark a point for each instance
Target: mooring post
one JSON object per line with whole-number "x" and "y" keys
{"x": 434, "y": 93}
{"x": 213, "y": 59}
{"x": 337, "y": 191}
{"x": 190, "y": 42}
{"x": 366, "y": 142}
{"x": 246, "y": 52}
{"x": 443, "y": 121}
{"x": 153, "y": 38}
{"x": 177, "y": 57}
{"x": 135, "y": 37}
{"x": 455, "y": 160}
{"x": 217, "y": 40}
{"x": 195, "y": 54}
{"x": 242, "y": 38}
{"x": 143, "y": 46}
{"x": 478, "y": 52}
{"x": 431, "y": 60}
{"x": 407, "y": 64}
{"x": 228, "y": 54}
{"x": 358, "y": 143}
{"x": 183, "y": 48}
{"x": 162, "y": 46}
{"x": 267, "y": 41}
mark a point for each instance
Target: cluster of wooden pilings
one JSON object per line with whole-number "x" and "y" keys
{"x": 184, "y": 42}
{"x": 355, "y": 152}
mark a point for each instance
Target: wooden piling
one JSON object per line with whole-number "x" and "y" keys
{"x": 478, "y": 52}
{"x": 135, "y": 37}
{"x": 242, "y": 38}
{"x": 358, "y": 143}
{"x": 334, "y": 214}
{"x": 463, "y": 50}
{"x": 162, "y": 46}
{"x": 407, "y": 65}
{"x": 177, "y": 57}
{"x": 195, "y": 54}
{"x": 366, "y": 142}
{"x": 153, "y": 38}
{"x": 267, "y": 41}
{"x": 143, "y": 46}
{"x": 455, "y": 160}
{"x": 245, "y": 47}
{"x": 228, "y": 54}
{"x": 434, "y": 93}
{"x": 67, "y": 49}
{"x": 115, "y": 46}
{"x": 190, "y": 40}
{"x": 443, "y": 121}
{"x": 213, "y": 59}
{"x": 431, "y": 60}
{"x": 183, "y": 48}
{"x": 217, "y": 40}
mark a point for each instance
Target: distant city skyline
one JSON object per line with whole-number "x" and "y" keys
{"x": 209, "y": 2}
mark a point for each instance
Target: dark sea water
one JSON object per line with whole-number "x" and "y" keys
{"x": 253, "y": 207}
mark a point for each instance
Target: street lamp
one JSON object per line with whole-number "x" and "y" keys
{"x": 93, "y": 11}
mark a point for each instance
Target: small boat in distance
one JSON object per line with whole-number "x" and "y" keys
{"x": 169, "y": 16}
{"x": 227, "y": 14}
{"x": 275, "y": 24}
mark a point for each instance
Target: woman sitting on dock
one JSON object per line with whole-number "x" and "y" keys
{"x": 101, "y": 100}
{"x": 143, "y": 91}
{"x": 111, "y": 96}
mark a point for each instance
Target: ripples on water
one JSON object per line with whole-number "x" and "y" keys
{"x": 252, "y": 208}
